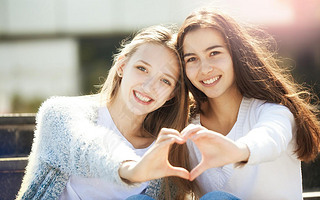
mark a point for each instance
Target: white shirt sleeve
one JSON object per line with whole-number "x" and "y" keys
{"x": 271, "y": 134}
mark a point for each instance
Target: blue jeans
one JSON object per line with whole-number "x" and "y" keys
{"x": 215, "y": 195}
{"x": 219, "y": 195}
{"x": 139, "y": 197}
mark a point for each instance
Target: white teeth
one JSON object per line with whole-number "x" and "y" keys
{"x": 211, "y": 80}
{"x": 142, "y": 98}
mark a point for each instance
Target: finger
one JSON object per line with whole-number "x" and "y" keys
{"x": 187, "y": 128}
{"x": 166, "y": 131}
{"x": 169, "y": 132}
{"x": 191, "y": 130}
{"x": 195, "y": 172}
{"x": 199, "y": 135}
{"x": 176, "y": 139}
{"x": 162, "y": 138}
{"x": 170, "y": 140}
{"x": 180, "y": 172}
{"x": 205, "y": 133}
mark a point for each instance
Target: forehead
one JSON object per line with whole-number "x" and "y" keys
{"x": 158, "y": 56}
{"x": 202, "y": 38}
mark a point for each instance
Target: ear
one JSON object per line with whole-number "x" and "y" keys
{"x": 120, "y": 65}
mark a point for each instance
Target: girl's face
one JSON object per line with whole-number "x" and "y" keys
{"x": 149, "y": 78}
{"x": 208, "y": 62}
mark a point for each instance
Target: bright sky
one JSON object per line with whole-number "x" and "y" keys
{"x": 259, "y": 11}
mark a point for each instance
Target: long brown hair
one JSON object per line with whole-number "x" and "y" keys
{"x": 259, "y": 75}
{"x": 173, "y": 114}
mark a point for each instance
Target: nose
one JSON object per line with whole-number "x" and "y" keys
{"x": 206, "y": 67}
{"x": 149, "y": 84}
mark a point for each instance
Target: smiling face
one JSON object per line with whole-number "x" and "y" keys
{"x": 208, "y": 63}
{"x": 149, "y": 77}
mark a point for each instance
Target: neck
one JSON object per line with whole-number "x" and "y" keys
{"x": 128, "y": 123}
{"x": 220, "y": 114}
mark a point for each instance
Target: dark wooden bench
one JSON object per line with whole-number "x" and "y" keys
{"x": 16, "y": 135}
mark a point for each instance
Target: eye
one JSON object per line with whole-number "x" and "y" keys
{"x": 166, "y": 81}
{"x": 141, "y": 68}
{"x": 213, "y": 53}
{"x": 190, "y": 59}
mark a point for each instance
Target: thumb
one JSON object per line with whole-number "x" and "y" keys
{"x": 199, "y": 169}
{"x": 180, "y": 172}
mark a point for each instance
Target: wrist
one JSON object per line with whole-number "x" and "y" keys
{"x": 244, "y": 154}
{"x": 126, "y": 171}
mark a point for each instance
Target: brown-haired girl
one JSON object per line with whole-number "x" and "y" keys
{"x": 247, "y": 111}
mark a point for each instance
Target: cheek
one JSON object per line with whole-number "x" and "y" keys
{"x": 226, "y": 65}
{"x": 164, "y": 93}
{"x": 191, "y": 73}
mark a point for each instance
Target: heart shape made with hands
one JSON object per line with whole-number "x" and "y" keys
{"x": 216, "y": 149}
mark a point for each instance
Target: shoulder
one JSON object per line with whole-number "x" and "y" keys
{"x": 259, "y": 106}
{"x": 263, "y": 109}
{"x": 69, "y": 101}
{"x": 66, "y": 106}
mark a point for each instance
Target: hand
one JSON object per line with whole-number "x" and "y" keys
{"x": 216, "y": 149}
{"x": 154, "y": 164}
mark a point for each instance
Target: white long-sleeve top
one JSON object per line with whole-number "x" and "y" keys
{"x": 273, "y": 170}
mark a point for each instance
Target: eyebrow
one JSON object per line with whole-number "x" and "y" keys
{"x": 207, "y": 49}
{"x": 144, "y": 62}
{"x": 151, "y": 67}
{"x": 173, "y": 78}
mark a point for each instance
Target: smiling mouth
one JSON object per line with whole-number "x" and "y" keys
{"x": 142, "y": 98}
{"x": 211, "y": 80}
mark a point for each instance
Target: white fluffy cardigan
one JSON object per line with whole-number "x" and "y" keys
{"x": 67, "y": 141}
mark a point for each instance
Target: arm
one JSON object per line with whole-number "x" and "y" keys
{"x": 216, "y": 149}
{"x": 67, "y": 140}
{"x": 270, "y": 135}
{"x": 268, "y": 138}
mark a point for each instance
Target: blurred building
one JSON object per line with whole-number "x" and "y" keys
{"x": 61, "y": 47}
{"x": 41, "y": 42}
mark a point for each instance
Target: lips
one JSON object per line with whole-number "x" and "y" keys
{"x": 211, "y": 81}
{"x": 142, "y": 98}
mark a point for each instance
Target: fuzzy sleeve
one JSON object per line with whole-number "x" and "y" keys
{"x": 271, "y": 135}
{"x": 68, "y": 140}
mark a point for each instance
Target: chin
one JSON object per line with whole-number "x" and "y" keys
{"x": 139, "y": 112}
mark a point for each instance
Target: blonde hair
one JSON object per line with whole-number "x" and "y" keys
{"x": 173, "y": 114}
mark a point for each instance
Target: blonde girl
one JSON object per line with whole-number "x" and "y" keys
{"x": 106, "y": 146}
